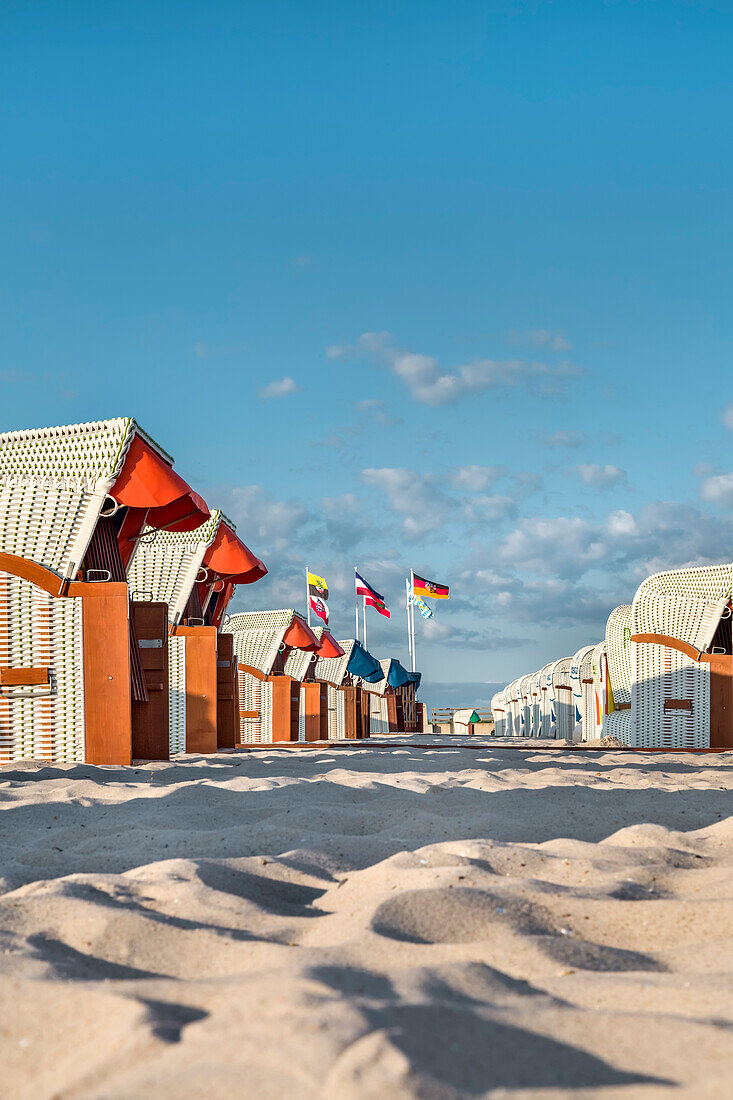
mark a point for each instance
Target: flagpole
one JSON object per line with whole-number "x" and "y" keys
{"x": 407, "y": 609}
{"x": 307, "y": 597}
{"x": 412, "y": 614}
{"x": 364, "y": 616}
{"x": 356, "y": 608}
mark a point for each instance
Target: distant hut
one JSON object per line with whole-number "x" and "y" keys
{"x": 465, "y": 722}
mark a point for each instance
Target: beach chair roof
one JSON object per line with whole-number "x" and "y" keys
{"x": 55, "y": 483}
{"x": 332, "y": 670}
{"x": 166, "y": 564}
{"x": 685, "y": 604}
{"x": 466, "y": 717}
{"x": 299, "y": 660}
{"x": 258, "y": 636}
{"x": 561, "y": 672}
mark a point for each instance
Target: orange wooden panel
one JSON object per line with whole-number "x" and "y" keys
{"x": 721, "y": 701}
{"x": 31, "y": 571}
{"x": 392, "y": 712}
{"x": 23, "y": 677}
{"x": 315, "y": 709}
{"x": 285, "y": 708}
{"x": 200, "y": 687}
{"x": 106, "y": 634}
{"x": 227, "y": 694}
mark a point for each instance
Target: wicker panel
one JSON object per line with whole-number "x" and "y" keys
{"x": 165, "y": 564}
{"x": 498, "y": 713}
{"x": 49, "y": 520}
{"x": 378, "y": 716}
{"x": 525, "y": 699}
{"x": 95, "y": 450}
{"x": 258, "y": 636}
{"x": 581, "y": 678}
{"x": 297, "y": 664}
{"x": 618, "y": 651}
{"x": 547, "y": 697}
{"x": 39, "y": 631}
{"x": 564, "y": 709}
{"x": 687, "y": 605}
{"x": 177, "y": 694}
{"x": 333, "y": 669}
{"x": 301, "y": 714}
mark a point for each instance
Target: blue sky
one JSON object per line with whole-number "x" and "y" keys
{"x": 420, "y": 284}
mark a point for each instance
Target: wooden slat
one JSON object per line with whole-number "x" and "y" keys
{"x": 23, "y": 677}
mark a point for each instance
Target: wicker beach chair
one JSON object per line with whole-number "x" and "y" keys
{"x": 619, "y": 663}
{"x": 525, "y": 700}
{"x": 73, "y": 502}
{"x": 546, "y": 725}
{"x": 269, "y": 700}
{"x": 498, "y": 713}
{"x": 581, "y": 678}
{"x": 514, "y": 710}
{"x": 562, "y": 689}
{"x": 599, "y": 666}
{"x": 682, "y": 660}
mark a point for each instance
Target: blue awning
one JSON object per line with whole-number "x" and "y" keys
{"x": 365, "y": 666}
{"x": 397, "y": 675}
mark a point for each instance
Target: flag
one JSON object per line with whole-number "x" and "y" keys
{"x": 434, "y": 591}
{"x": 380, "y": 606}
{"x": 422, "y": 607}
{"x": 364, "y": 589}
{"x": 319, "y": 607}
{"x": 317, "y": 586}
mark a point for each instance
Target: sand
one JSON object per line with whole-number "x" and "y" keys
{"x": 380, "y": 922}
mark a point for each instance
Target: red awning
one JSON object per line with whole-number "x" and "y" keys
{"x": 300, "y": 636}
{"x": 329, "y": 646}
{"x": 147, "y": 481}
{"x": 231, "y": 559}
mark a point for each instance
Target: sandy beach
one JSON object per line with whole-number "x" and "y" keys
{"x": 369, "y": 922}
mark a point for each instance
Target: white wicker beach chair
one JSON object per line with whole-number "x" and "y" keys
{"x": 546, "y": 725}
{"x": 581, "y": 678}
{"x": 618, "y": 657}
{"x": 525, "y": 697}
{"x": 498, "y": 713}
{"x": 682, "y": 668}
{"x": 562, "y": 690}
{"x": 515, "y": 709}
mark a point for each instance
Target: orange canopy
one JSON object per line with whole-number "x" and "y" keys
{"x": 329, "y": 646}
{"x": 231, "y": 559}
{"x": 300, "y": 636}
{"x": 147, "y": 481}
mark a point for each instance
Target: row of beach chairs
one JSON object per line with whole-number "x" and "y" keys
{"x": 661, "y": 678}
{"x": 115, "y": 579}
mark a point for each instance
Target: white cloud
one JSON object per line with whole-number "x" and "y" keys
{"x": 554, "y": 339}
{"x": 476, "y": 478}
{"x": 281, "y": 387}
{"x": 718, "y": 489}
{"x": 429, "y": 384}
{"x": 600, "y": 477}
{"x": 566, "y": 438}
{"x": 728, "y": 416}
{"x": 419, "y": 498}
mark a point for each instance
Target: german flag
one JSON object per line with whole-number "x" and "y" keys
{"x": 431, "y": 589}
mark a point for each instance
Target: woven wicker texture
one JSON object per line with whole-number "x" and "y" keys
{"x": 258, "y": 636}
{"x": 563, "y": 693}
{"x": 525, "y": 699}
{"x": 547, "y": 700}
{"x": 331, "y": 670}
{"x": 40, "y": 631}
{"x": 498, "y": 713}
{"x": 177, "y": 694}
{"x": 165, "y": 564}
{"x": 581, "y": 678}
{"x": 598, "y": 660}
{"x": 687, "y": 605}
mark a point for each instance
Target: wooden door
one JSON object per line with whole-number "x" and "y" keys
{"x": 150, "y": 735}
{"x": 227, "y": 703}
{"x": 315, "y": 703}
{"x": 285, "y": 708}
{"x": 201, "y": 687}
{"x": 351, "y": 712}
{"x": 721, "y": 700}
{"x": 392, "y": 712}
{"x": 107, "y": 701}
